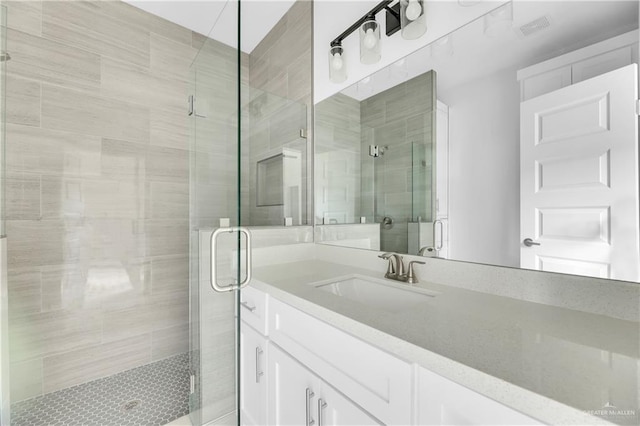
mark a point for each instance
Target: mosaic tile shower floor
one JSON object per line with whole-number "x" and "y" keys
{"x": 153, "y": 394}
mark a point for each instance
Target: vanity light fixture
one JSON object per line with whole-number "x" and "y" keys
{"x": 414, "y": 26}
{"x": 337, "y": 67}
{"x": 413, "y": 20}
{"x": 370, "y": 41}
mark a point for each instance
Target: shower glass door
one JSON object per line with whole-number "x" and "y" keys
{"x": 215, "y": 129}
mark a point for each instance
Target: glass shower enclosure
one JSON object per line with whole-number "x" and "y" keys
{"x": 216, "y": 86}
{"x": 4, "y": 320}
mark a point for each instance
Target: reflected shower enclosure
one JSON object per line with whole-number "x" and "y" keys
{"x": 375, "y": 159}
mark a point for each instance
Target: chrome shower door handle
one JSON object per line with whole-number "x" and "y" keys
{"x": 529, "y": 242}
{"x": 214, "y": 255}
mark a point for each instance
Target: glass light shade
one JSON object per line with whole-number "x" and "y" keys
{"x": 413, "y": 20}
{"x": 337, "y": 65}
{"x": 370, "y": 42}
{"x": 498, "y": 20}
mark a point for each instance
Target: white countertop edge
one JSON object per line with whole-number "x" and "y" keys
{"x": 534, "y": 405}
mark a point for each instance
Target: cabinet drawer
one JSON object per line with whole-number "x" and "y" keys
{"x": 372, "y": 378}
{"x": 443, "y": 402}
{"x": 253, "y": 308}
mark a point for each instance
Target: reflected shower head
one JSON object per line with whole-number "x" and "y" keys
{"x": 4, "y": 57}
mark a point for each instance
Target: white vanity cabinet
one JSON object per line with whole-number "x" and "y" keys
{"x": 375, "y": 380}
{"x": 253, "y": 357}
{"x": 299, "y": 397}
{"x": 299, "y": 370}
{"x": 443, "y": 402}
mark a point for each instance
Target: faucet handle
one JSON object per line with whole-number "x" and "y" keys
{"x": 411, "y": 275}
{"x": 391, "y": 270}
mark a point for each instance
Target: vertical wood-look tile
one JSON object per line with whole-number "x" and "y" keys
{"x": 39, "y": 58}
{"x": 24, "y": 292}
{"x": 36, "y": 150}
{"x": 74, "y": 111}
{"x": 29, "y": 384}
{"x": 22, "y": 196}
{"x": 90, "y": 363}
{"x": 50, "y": 333}
{"x": 86, "y": 25}
{"x": 23, "y": 101}
{"x": 25, "y": 16}
{"x": 169, "y": 341}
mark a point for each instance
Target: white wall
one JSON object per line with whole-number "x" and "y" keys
{"x": 331, "y": 18}
{"x": 484, "y": 172}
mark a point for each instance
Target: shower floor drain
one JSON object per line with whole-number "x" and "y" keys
{"x": 131, "y": 405}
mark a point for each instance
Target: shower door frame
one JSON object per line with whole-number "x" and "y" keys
{"x": 201, "y": 238}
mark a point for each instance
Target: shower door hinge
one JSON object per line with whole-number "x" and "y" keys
{"x": 192, "y": 384}
{"x": 374, "y": 151}
{"x": 191, "y": 108}
{"x": 191, "y": 102}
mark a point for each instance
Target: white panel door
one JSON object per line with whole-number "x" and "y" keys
{"x": 579, "y": 178}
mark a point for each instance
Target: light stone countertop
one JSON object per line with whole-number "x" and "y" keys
{"x": 550, "y": 363}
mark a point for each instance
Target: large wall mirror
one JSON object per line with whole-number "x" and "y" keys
{"x": 512, "y": 141}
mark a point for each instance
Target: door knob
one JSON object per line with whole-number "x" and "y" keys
{"x": 529, "y": 242}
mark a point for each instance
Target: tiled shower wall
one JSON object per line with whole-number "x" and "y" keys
{"x": 280, "y": 78}
{"x": 399, "y": 119}
{"x": 337, "y": 161}
{"x": 97, "y": 191}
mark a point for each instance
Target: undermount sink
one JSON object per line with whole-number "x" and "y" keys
{"x": 376, "y": 293}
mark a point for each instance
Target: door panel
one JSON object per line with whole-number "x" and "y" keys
{"x": 579, "y": 178}
{"x": 213, "y": 109}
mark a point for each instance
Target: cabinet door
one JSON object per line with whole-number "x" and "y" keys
{"x": 253, "y": 379}
{"x": 293, "y": 390}
{"x": 335, "y": 409}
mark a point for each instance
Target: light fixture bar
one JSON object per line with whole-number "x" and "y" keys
{"x": 383, "y": 5}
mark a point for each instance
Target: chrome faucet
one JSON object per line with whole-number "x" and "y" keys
{"x": 395, "y": 271}
{"x": 426, "y": 249}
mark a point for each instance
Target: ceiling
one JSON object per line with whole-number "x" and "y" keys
{"x": 573, "y": 25}
{"x": 218, "y": 18}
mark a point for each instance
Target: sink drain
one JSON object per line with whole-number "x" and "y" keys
{"x": 131, "y": 405}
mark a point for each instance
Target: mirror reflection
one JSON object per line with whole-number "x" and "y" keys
{"x": 512, "y": 141}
